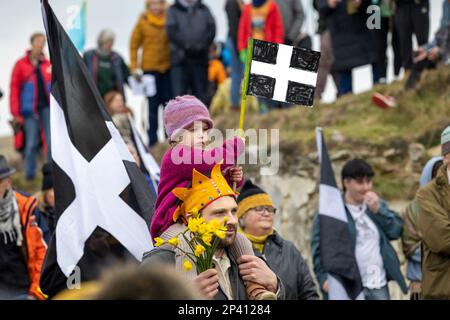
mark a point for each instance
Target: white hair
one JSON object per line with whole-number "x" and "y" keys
{"x": 105, "y": 35}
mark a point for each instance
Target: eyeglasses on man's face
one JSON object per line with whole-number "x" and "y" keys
{"x": 262, "y": 209}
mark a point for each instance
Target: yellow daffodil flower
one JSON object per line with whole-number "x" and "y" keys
{"x": 199, "y": 249}
{"x": 207, "y": 238}
{"x": 220, "y": 234}
{"x": 203, "y": 228}
{"x": 214, "y": 225}
{"x": 195, "y": 223}
{"x": 174, "y": 241}
{"x": 187, "y": 265}
{"x": 159, "y": 241}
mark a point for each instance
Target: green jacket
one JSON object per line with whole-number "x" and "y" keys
{"x": 390, "y": 227}
{"x": 434, "y": 223}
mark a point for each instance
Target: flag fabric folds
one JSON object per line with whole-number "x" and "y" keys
{"x": 103, "y": 203}
{"x": 337, "y": 253}
{"x": 149, "y": 165}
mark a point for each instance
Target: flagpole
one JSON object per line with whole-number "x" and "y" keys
{"x": 319, "y": 134}
{"x": 244, "y": 91}
{"x": 245, "y": 84}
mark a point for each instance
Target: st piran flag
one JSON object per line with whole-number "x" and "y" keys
{"x": 283, "y": 73}
{"x": 103, "y": 204}
{"x": 149, "y": 166}
{"x": 336, "y": 250}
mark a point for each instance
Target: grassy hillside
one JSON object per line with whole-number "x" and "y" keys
{"x": 420, "y": 117}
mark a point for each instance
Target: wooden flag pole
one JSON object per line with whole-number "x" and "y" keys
{"x": 244, "y": 91}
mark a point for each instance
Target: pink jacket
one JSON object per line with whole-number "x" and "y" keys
{"x": 180, "y": 175}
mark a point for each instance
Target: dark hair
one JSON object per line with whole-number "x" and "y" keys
{"x": 436, "y": 167}
{"x": 36, "y": 35}
{"x": 355, "y": 169}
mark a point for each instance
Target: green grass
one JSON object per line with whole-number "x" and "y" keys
{"x": 30, "y": 187}
{"x": 420, "y": 116}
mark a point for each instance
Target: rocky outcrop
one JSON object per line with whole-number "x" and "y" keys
{"x": 294, "y": 188}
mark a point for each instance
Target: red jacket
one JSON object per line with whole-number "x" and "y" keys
{"x": 24, "y": 87}
{"x": 34, "y": 245}
{"x": 273, "y": 26}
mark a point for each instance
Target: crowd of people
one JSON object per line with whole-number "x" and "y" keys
{"x": 175, "y": 45}
{"x": 194, "y": 77}
{"x": 252, "y": 261}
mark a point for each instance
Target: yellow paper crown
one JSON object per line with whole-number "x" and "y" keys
{"x": 203, "y": 191}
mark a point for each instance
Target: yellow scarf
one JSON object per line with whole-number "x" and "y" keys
{"x": 257, "y": 242}
{"x": 158, "y": 21}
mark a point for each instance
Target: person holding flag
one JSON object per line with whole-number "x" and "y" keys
{"x": 361, "y": 224}
{"x": 187, "y": 120}
{"x": 230, "y": 277}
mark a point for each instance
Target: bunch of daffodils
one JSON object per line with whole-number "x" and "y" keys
{"x": 203, "y": 241}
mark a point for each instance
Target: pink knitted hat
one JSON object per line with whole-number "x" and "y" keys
{"x": 182, "y": 112}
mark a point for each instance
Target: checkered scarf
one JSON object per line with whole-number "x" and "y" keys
{"x": 10, "y": 226}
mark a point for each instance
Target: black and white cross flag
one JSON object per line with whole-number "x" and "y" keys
{"x": 283, "y": 73}
{"x": 149, "y": 165}
{"x": 336, "y": 250}
{"x": 98, "y": 187}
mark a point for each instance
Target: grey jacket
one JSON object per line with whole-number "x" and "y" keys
{"x": 164, "y": 255}
{"x": 190, "y": 31}
{"x": 293, "y": 17}
{"x": 288, "y": 264}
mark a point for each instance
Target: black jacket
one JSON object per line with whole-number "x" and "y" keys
{"x": 101, "y": 252}
{"x": 190, "y": 31}
{"x": 353, "y": 43}
{"x": 233, "y": 10}
{"x": 288, "y": 264}
{"x": 163, "y": 255}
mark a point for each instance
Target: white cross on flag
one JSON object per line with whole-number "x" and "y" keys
{"x": 283, "y": 73}
{"x": 103, "y": 203}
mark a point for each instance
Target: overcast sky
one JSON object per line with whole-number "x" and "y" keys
{"x": 20, "y": 18}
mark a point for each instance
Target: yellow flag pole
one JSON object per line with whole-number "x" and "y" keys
{"x": 244, "y": 91}
{"x": 245, "y": 85}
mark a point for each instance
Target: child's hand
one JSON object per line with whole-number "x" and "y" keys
{"x": 236, "y": 174}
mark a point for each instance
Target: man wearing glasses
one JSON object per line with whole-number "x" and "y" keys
{"x": 256, "y": 212}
